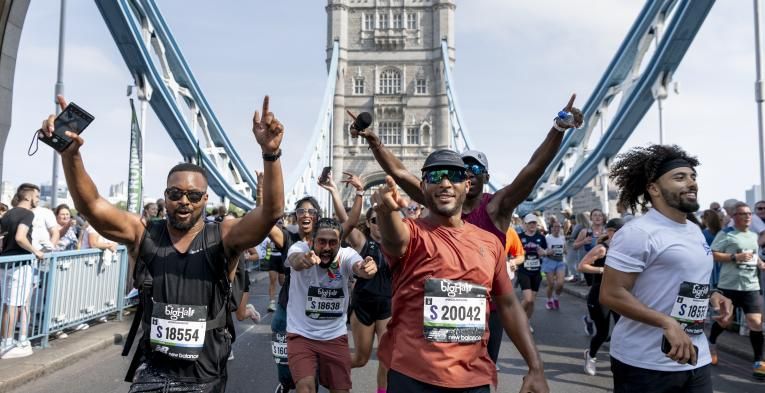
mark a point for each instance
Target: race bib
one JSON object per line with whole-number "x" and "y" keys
{"x": 178, "y": 331}
{"x": 324, "y": 303}
{"x": 531, "y": 262}
{"x": 690, "y": 308}
{"x": 454, "y": 311}
{"x": 557, "y": 250}
{"x": 279, "y": 347}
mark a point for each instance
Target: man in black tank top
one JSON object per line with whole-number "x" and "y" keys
{"x": 183, "y": 266}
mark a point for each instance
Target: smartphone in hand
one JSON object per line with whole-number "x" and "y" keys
{"x": 666, "y": 347}
{"x": 72, "y": 118}
{"x": 324, "y": 178}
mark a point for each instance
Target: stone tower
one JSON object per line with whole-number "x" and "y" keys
{"x": 391, "y": 66}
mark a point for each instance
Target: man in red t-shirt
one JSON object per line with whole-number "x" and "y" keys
{"x": 444, "y": 270}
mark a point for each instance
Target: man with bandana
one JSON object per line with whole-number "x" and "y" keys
{"x": 317, "y": 337}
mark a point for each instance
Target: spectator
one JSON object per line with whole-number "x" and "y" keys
{"x": 68, "y": 232}
{"x": 222, "y": 211}
{"x": 93, "y": 239}
{"x": 3, "y": 209}
{"x": 712, "y": 225}
{"x": 413, "y": 210}
{"x": 759, "y": 209}
{"x": 161, "y": 211}
{"x": 17, "y": 224}
{"x": 45, "y": 229}
{"x": 150, "y": 211}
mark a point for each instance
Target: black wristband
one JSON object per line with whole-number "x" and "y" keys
{"x": 272, "y": 156}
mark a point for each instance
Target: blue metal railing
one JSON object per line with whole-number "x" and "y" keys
{"x": 62, "y": 290}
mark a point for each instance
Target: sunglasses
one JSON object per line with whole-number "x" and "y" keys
{"x": 303, "y": 211}
{"x": 452, "y": 174}
{"x": 175, "y": 194}
{"x": 475, "y": 169}
{"x": 373, "y": 220}
{"x": 413, "y": 208}
{"x": 760, "y": 207}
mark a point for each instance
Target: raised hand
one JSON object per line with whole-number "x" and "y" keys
{"x": 367, "y": 134}
{"x": 267, "y": 129}
{"x": 48, "y": 127}
{"x": 573, "y": 118}
{"x": 352, "y": 180}
{"x": 329, "y": 185}
{"x": 367, "y": 268}
{"x": 387, "y": 198}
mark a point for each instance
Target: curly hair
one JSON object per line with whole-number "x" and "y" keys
{"x": 635, "y": 169}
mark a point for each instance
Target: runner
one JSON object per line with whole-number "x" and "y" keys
{"x": 553, "y": 265}
{"x": 490, "y": 212}
{"x": 185, "y": 266}
{"x": 316, "y": 333}
{"x": 657, "y": 277}
{"x": 594, "y": 263}
{"x": 736, "y": 250}
{"x": 443, "y": 271}
{"x": 529, "y": 275}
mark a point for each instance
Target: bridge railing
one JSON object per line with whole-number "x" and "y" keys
{"x": 64, "y": 289}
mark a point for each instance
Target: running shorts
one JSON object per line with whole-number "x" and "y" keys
{"x": 331, "y": 357}
{"x": 369, "y": 310}
{"x": 529, "y": 281}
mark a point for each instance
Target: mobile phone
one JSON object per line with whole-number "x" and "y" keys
{"x": 72, "y": 118}
{"x": 666, "y": 347}
{"x": 325, "y": 174}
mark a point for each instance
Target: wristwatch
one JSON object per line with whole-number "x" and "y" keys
{"x": 272, "y": 156}
{"x": 360, "y": 193}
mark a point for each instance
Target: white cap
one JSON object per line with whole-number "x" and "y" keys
{"x": 531, "y": 217}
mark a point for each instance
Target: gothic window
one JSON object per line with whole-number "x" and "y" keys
{"x": 390, "y": 132}
{"x": 421, "y": 86}
{"x": 358, "y": 86}
{"x": 369, "y": 21}
{"x": 382, "y": 21}
{"x": 390, "y": 82}
{"x": 413, "y": 136}
{"x": 398, "y": 21}
{"x": 411, "y": 21}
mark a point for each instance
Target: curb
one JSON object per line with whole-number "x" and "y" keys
{"x": 722, "y": 346}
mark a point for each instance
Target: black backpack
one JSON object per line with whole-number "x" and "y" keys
{"x": 153, "y": 236}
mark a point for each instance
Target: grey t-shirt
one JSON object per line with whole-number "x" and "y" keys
{"x": 319, "y": 297}
{"x": 738, "y": 276}
{"x": 666, "y": 255}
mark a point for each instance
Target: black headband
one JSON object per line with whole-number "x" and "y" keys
{"x": 670, "y": 165}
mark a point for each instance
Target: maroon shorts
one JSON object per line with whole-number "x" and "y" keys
{"x": 331, "y": 357}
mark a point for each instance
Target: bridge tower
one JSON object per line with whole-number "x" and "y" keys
{"x": 390, "y": 65}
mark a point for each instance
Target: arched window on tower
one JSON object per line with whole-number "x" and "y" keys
{"x": 390, "y": 82}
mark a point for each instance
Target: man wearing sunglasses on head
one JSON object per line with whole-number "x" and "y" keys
{"x": 184, "y": 266}
{"x": 444, "y": 269}
{"x": 490, "y": 212}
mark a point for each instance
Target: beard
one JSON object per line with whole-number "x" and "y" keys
{"x": 183, "y": 225}
{"x": 446, "y": 210}
{"x": 329, "y": 255}
{"x": 674, "y": 200}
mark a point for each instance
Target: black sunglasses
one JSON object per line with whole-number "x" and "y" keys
{"x": 454, "y": 175}
{"x": 373, "y": 220}
{"x": 175, "y": 194}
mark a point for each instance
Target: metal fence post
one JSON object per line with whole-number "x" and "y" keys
{"x": 48, "y": 293}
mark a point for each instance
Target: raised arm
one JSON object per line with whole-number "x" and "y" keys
{"x": 337, "y": 203}
{"x": 395, "y": 234}
{"x": 353, "y": 219}
{"x": 508, "y": 198}
{"x": 111, "y": 222}
{"x": 392, "y": 165}
{"x": 248, "y": 231}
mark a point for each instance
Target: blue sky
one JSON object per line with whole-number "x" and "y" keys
{"x": 517, "y": 63}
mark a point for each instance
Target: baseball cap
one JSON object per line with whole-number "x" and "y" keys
{"x": 478, "y": 156}
{"x": 443, "y": 158}
{"x": 531, "y": 217}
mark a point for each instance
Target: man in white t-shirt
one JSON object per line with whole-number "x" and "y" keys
{"x": 317, "y": 336}
{"x": 45, "y": 229}
{"x": 657, "y": 277}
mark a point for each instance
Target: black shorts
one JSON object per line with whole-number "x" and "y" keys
{"x": 370, "y": 309}
{"x": 529, "y": 280}
{"x": 631, "y": 379}
{"x": 400, "y": 383}
{"x": 149, "y": 380}
{"x": 749, "y": 301}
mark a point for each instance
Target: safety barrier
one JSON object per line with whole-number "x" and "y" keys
{"x": 62, "y": 290}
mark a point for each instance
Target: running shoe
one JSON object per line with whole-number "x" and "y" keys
{"x": 272, "y": 306}
{"x": 231, "y": 354}
{"x": 82, "y": 326}
{"x": 569, "y": 278}
{"x": 549, "y": 305}
{"x": 531, "y": 328}
{"x": 758, "y": 371}
{"x": 281, "y": 389}
{"x": 590, "y": 364}
{"x": 556, "y": 304}
{"x": 22, "y": 349}
{"x": 713, "y": 353}
{"x": 589, "y": 327}
{"x": 60, "y": 335}
{"x": 7, "y": 347}
{"x": 254, "y": 314}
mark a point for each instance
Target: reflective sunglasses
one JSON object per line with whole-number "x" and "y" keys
{"x": 175, "y": 194}
{"x": 475, "y": 169}
{"x": 435, "y": 176}
{"x": 413, "y": 208}
{"x": 303, "y": 211}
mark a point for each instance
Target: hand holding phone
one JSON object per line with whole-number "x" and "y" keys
{"x": 72, "y": 118}
{"x": 666, "y": 347}
{"x": 324, "y": 178}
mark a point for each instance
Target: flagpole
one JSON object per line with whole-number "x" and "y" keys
{"x": 59, "y": 91}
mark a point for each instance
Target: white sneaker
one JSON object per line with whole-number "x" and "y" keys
{"x": 102, "y": 319}
{"x": 531, "y": 328}
{"x": 60, "y": 335}
{"x": 231, "y": 355}
{"x": 22, "y": 349}
{"x": 82, "y": 326}
{"x": 5, "y": 348}
{"x": 272, "y": 306}
{"x": 133, "y": 293}
{"x": 254, "y": 314}
{"x": 590, "y": 364}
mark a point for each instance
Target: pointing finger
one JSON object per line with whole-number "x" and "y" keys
{"x": 61, "y": 101}
{"x": 266, "y": 100}
{"x": 570, "y": 102}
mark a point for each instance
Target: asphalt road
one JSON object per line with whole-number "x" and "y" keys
{"x": 559, "y": 336}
